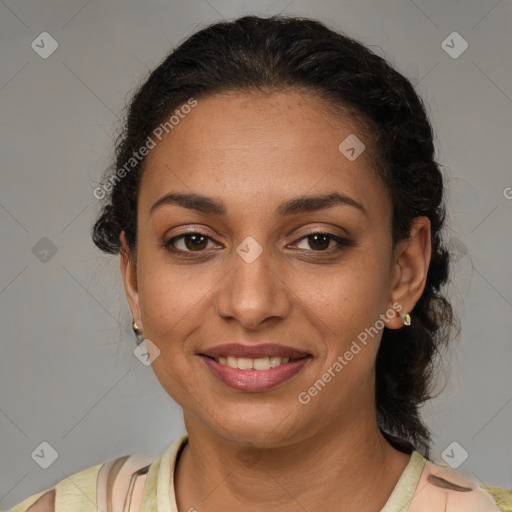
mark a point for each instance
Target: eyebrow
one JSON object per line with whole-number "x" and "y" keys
{"x": 296, "y": 205}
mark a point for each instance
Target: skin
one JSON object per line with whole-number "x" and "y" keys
{"x": 254, "y": 152}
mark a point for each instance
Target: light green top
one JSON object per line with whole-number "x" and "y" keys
{"x": 422, "y": 487}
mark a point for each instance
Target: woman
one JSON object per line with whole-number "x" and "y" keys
{"x": 278, "y": 212}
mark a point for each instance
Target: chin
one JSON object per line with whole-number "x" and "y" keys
{"x": 258, "y": 429}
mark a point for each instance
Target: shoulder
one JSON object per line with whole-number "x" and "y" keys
{"x": 502, "y": 497}
{"x": 90, "y": 489}
{"x": 440, "y": 488}
{"x": 129, "y": 482}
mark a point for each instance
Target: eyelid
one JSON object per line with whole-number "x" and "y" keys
{"x": 340, "y": 240}
{"x": 324, "y": 230}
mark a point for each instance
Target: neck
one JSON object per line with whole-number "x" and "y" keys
{"x": 344, "y": 469}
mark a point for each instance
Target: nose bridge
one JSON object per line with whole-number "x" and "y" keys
{"x": 254, "y": 290}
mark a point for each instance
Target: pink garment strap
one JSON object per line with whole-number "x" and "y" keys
{"x": 443, "y": 490}
{"x": 118, "y": 485}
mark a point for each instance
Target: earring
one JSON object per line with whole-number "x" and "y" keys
{"x": 406, "y": 319}
{"x": 138, "y": 332}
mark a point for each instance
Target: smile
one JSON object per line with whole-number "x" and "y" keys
{"x": 253, "y": 375}
{"x": 245, "y": 363}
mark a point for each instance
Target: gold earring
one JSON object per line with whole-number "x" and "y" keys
{"x": 406, "y": 319}
{"x": 138, "y": 332}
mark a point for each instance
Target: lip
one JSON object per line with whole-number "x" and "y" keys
{"x": 255, "y": 380}
{"x": 254, "y": 351}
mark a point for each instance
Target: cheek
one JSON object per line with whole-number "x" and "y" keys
{"x": 348, "y": 315}
{"x": 168, "y": 292}
{"x": 167, "y": 302}
{"x": 354, "y": 292}
{"x": 349, "y": 320}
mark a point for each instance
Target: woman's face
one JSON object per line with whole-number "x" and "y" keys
{"x": 254, "y": 174}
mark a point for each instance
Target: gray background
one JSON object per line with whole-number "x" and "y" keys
{"x": 67, "y": 369}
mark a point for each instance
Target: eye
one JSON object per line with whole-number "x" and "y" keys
{"x": 190, "y": 242}
{"x": 196, "y": 242}
{"x": 320, "y": 242}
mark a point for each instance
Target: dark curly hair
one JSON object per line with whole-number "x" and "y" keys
{"x": 267, "y": 54}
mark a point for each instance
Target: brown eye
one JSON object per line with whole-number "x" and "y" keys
{"x": 320, "y": 242}
{"x": 190, "y": 242}
{"x": 196, "y": 241}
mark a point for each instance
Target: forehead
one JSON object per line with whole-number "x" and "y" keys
{"x": 270, "y": 146}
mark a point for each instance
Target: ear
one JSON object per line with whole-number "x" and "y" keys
{"x": 410, "y": 267}
{"x": 129, "y": 275}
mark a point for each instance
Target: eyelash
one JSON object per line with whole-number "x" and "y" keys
{"x": 342, "y": 243}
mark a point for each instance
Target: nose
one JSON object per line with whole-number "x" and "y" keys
{"x": 254, "y": 290}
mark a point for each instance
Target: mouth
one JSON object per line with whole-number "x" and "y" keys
{"x": 255, "y": 368}
{"x": 241, "y": 351}
{"x": 246, "y": 363}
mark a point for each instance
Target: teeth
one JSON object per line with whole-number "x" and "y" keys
{"x": 275, "y": 361}
{"x": 261, "y": 363}
{"x": 244, "y": 363}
